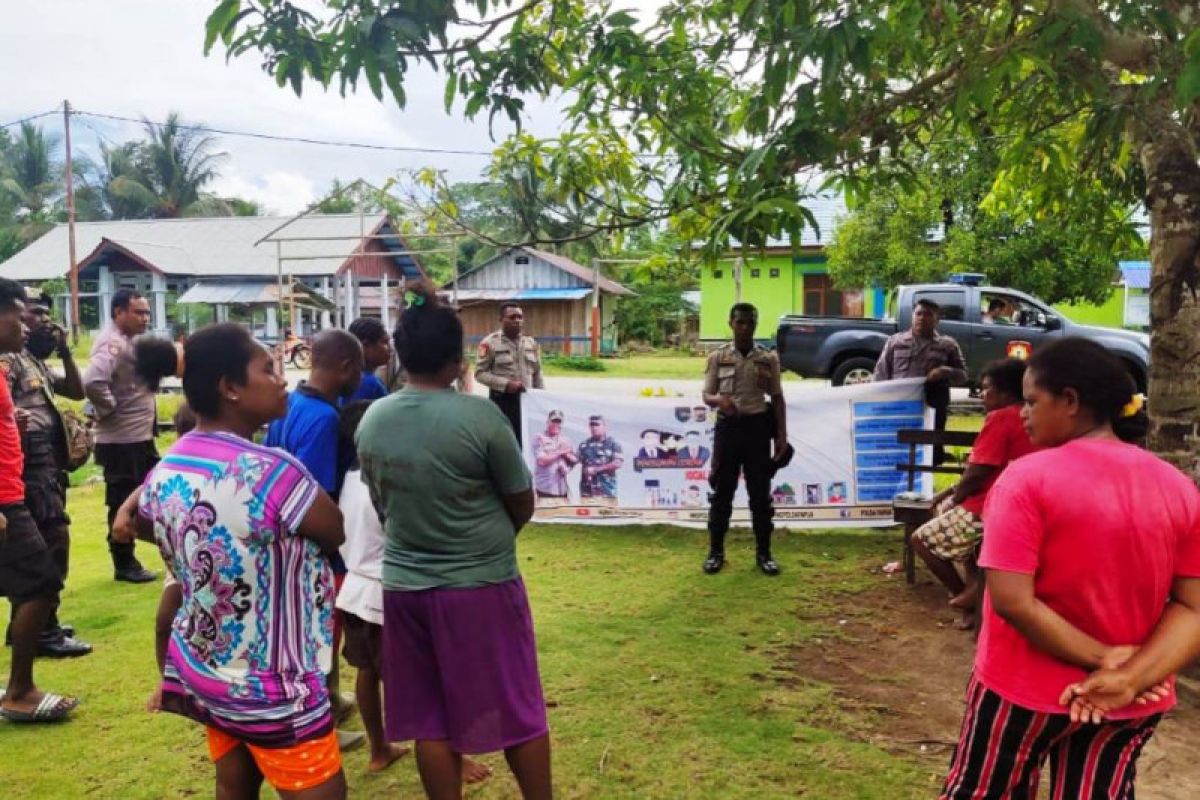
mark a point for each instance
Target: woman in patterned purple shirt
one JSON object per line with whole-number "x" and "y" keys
{"x": 242, "y": 528}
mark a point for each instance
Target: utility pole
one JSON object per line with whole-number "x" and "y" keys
{"x": 73, "y": 274}
{"x": 596, "y": 262}
{"x": 595, "y": 308}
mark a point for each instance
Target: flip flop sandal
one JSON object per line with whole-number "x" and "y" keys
{"x": 52, "y": 708}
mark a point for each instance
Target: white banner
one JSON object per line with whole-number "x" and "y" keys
{"x": 647, "y": 459}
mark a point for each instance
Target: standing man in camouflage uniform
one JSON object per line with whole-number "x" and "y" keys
{"x": 922, "y": 352}
{"x": 742, "y": 382}
{"x": 125, "y": 419}
{"x": 600, "y": 457}
{"x": 509, "y": 363}
{"x": 44, "y": 443}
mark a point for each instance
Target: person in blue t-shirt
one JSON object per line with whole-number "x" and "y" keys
{"x": 311, "y": 433}
{"x": 377, "y": 351}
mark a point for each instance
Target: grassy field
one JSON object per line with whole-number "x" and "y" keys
{"x": 663, "y": 365}
{"x": 662, "y": 682}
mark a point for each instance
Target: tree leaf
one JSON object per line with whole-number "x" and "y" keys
{"x": 222, "y": 17}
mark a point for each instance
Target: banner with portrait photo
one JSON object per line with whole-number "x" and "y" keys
{"x": 599, "y": 458}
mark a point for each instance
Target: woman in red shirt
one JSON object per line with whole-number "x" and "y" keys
{"x": 952, "y": 536}
{"x": 1092, "y": 552}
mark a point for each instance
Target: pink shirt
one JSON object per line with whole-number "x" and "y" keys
{"x": 1002, "y": 439}
{"x": 1104, "y": 527}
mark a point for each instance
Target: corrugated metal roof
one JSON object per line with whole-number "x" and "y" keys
{"x": 1136, "y": 274}
{"x": 559, "y": 270}
{"x": 252, "y": 293}
{"x": 521, "y": 294}
{"x": 204, "y": 246}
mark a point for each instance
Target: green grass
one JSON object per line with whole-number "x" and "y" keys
{"x": 662, "y": 682}
{"x": 661, "y": 365}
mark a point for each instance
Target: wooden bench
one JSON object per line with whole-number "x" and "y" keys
{"x": 913, "y": 513}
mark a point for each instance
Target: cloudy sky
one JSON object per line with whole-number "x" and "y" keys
{"x": 139, "y": 58}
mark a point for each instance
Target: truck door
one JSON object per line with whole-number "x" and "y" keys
{"x": 1008, "y": 322}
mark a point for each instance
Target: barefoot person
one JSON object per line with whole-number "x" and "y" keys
{"x": 460, "y": 661}
{"x": 243, "y": 528}
{"x": 951, "y": 537}
{"x": 29, "y": 578}
{"x": 1092, "y": 553}
{"x": 361, "y": 602}
{"x": 311, "y": 432}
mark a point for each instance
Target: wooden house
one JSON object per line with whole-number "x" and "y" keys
{"x": 555, "y": 293}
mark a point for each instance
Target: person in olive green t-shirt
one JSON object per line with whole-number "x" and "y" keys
{"x": 459, "y": 653}
{"x": 437, "y": 464}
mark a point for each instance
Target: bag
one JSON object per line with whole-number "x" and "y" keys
{"x": 81, "y": 439}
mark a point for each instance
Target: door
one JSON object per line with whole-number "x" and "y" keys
{"x": 820, "y": 298}
{"x": 1008, "y": 323}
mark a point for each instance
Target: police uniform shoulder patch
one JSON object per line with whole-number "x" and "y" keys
{"x": 114, "y": 349}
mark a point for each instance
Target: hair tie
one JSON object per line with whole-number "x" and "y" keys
{"x": 414, "y": 299}
{"x": 1134, "y": 406}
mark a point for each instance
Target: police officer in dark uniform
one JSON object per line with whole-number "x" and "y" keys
{"x": 742, "y": 382}
{"x": 44, "y": 442}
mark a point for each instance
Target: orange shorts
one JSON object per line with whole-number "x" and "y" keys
{"x": 291, "y": 769}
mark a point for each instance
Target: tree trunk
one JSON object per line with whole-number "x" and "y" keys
{"x": 1168, "y": 157}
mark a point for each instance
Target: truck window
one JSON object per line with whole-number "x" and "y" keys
{"x": 893, "y": 305}
{"x": 950, "y": 300}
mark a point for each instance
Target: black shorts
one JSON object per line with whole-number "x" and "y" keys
{"x": 363, "y": 647}
{"x": 27, "y": 568}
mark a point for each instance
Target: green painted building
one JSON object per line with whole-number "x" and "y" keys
{"x": 778, "y": 282}
{"x": 781, "y": 279}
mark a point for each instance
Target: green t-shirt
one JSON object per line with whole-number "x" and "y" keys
{"x": 437, "y": 464}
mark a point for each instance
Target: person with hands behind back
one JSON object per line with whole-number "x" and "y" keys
{"x": 742, "y": 382}
{"x": 1084, "y": 542}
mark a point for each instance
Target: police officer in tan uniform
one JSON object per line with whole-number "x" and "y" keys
{"x": 44, "y": 442}
{"x": 509, "y": 363}
{"x": 742, "y": 382}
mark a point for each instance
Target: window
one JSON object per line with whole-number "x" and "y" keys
{"x": 774, "y": 272}
{"x": 756, "y": 273}
{"x": 717, "y": 273}
{"x": 1010, "y": 310}
{"x": 951, "y": 302}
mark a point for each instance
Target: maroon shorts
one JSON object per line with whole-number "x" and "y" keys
{"x": 461, "y": 665}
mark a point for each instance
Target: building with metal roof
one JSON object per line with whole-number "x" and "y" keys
{"x": 555, "y": 293}
{"x": 355, "y": 262}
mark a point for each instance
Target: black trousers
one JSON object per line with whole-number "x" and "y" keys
{"x": 46, "y": 500}
{"x": 125, "y": 467}
{"x": 742, "y": 445}
{"x": 510, "y": 404}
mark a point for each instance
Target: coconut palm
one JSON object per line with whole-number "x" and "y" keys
{"x": 31, "y": 178}
{"x": 165, "y": 174}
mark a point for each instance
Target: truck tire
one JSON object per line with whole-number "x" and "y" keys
{"x": 853, "y": 371}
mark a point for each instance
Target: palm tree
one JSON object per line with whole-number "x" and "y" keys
{"x": 164, "y": 175}
{"x": 31, "y": 177}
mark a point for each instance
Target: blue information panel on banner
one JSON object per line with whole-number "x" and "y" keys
{"x": 876, "y": 451}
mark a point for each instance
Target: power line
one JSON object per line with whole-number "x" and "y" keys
{"x": 293, "y": 139}
{"x": 56, "y": 110}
